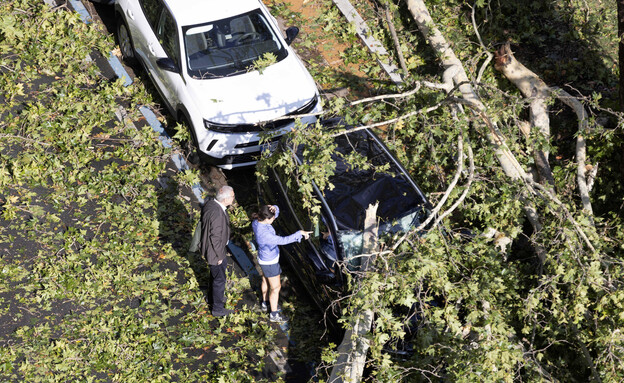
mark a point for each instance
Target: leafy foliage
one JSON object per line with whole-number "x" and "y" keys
{"x": 264, "y": 61}
{"x": 97, "y": 284}
{"x": 466, "y": 310}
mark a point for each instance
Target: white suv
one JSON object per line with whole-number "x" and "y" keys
{"x": 200, "y": 55}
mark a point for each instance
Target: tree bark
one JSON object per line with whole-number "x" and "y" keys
{"x": 454, "y": 66}
{"x": 581, "y": 148}
{"x": 454, "y": 69}
{"x": 533, "y": 88}
{"x": 349, "y": 366}
{"x": 395, "y": 38}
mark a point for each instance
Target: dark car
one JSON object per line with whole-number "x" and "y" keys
{"x": 338, "y": 232}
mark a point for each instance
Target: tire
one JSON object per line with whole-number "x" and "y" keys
{"x": 190, "y": 147}
{"x": 125, "y": 41}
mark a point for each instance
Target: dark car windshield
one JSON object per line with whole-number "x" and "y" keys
{"x": 229, "y": 46}
{"x": 401, "y": 203}
{"x": 355, "y": 189}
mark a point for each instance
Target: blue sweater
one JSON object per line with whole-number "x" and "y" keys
{"x": 268, "y": 252}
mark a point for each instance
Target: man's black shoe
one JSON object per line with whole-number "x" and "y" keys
{"x": 223, "y": 313}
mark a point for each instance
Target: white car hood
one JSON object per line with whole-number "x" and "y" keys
{"x": 253, "y": 97}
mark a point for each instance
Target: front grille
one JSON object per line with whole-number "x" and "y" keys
{"x": 234, "y": 159}
{"x": 242, "y": 158}
{"x": 255, "y": 143}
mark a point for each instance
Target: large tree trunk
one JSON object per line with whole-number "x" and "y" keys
{"x": 454, "y": 71}
{"x": 453, "y": 67}
{"x": 349, "y": 366}
{"x": 533, "y": 88}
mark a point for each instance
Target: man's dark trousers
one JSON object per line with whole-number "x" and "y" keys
{"x": 214, "y": 239}
{"x": 218, "y": 286}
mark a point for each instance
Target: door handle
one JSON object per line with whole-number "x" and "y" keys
{"x": 151, "y": 49}
{"x": 131, "y": 14}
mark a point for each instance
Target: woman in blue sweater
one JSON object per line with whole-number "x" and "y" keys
{"x": 268, "y": 256}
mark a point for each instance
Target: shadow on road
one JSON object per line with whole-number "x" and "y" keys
{"x": 176, "y": 226}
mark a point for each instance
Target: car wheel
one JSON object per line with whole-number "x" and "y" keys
{"x": 125, "y": 41}
{"x": 190, "y": 147}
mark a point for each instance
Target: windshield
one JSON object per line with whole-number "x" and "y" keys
{"x": 355, "y": 188}
{"x": 352, "y": 241}
{"x": 229, "y": 46}
{"x": 401, "y": 205}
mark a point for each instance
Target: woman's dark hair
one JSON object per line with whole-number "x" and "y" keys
{"x": 263, "y": 213}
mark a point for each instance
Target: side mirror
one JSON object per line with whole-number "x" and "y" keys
{"x": 291, "y": 33}
{"x": 168, "y": 65}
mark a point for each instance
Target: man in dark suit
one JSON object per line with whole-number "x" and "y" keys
{"x": 215, "y": 235}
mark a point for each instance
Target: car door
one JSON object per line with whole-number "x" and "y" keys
{"x": 166, "y": 45}
{"x": 155, "y": 36}
{"x": 141, "y": 17}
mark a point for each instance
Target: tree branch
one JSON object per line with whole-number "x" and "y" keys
{"x": 387, "y": 96}
{"x": 461, "y": 198}
{"x": 11, "y": 136}
{"x": 395, "y": 38}
{"x": 449, "y": 189}
{"x": 567, "y": 214}
{"x": 533, "y": 88}
{"x": 485, "y": 50}
{"x": 581, "y": 153}
{"x": 387, "y": 122}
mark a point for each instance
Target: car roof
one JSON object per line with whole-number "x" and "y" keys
{"x": 190, "y": 12}
{"x": 354, "y": 189}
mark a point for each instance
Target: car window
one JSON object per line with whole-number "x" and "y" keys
{"x": 352, "y": 243}
{"x": 229, "y": 46}
{"x": 401, "y": 206}
{"x": 355, "y": 188}
{"x": 167, "y": 34}
{"x": 152, "y": 9}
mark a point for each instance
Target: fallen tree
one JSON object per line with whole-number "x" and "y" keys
{"x": 533, "y": 88}
{"x": 484, "y": 307}
{"x": 522, "y": 262}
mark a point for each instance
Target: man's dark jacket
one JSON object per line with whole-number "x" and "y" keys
{"x": 215, "y": 225}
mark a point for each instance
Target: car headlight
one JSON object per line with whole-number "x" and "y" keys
{"x": 307, "y": 108}
{"x": 229, "y": 128}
